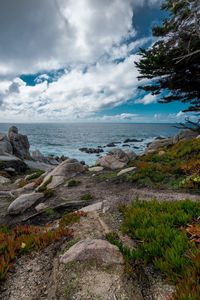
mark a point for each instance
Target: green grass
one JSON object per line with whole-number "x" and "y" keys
{"x": 159, "y": 230}
{"x": 86, "y": 197}
{"x": 49, "y": 211}
{"x": 73, "y": 183}
{"x": 43, "y": 187}
{"x": 36, "y": 174}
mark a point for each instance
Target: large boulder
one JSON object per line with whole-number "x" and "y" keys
{"x": 10, "y": 161}
{"x": 116, "y": 159}
{"x": 19, "y": 143}
{"x": 4, "y": 180}
{"x": 5, "y": 145}
{"x": 99, "y": 251}
{"x": 38, "y": 156}
{"x": 157, "y": 144}
{"x": 64, "y": 171}
{"x": 23, "y": 202}
{"x": 185, "y": 135}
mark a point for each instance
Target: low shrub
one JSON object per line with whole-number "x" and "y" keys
{"x": 163, "y": 237}
{"x": 71, "y": 218}
{"x": 22, "y": 239}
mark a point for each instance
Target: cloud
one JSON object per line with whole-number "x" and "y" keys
{"x": 75, "y": 94}
{"x": 49, "y": 34}
{"x": 147, "y": 99}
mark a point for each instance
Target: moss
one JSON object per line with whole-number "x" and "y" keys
{"x": 48, "y": 193}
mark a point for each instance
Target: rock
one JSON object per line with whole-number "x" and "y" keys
{"x": 4, "y": 180}
{"x": 133, "y": 141}
{"x": 92, "y": 207}
{"x": 111, "y": 145}
{"x": 115, "y": 159}
{"x": 20, "y": 143}
{"x": 38, "y": 156}
{"x": 131, "y": 155}
{"x": 100, "y": 251}
{"x": 41, "y": 206}
{"x": 91, "y": 150}
{"x": 156, "y": 144}
{"x": 64, "y": 171}
{"x": 5, "y": 145}
{"x": 198, "y": 137}
{"x": 28, "y": 188}
{"x": 23, "y": 202}
{"x": 127, "y": 170}
{"x": 125, "y": 145}
{"x": 95, "y": 169}
{"x": 38, "y": 165}
{"x": 11, "y": 161}
{"x": 185, "y": 135}
{"x": 10, "y": 171}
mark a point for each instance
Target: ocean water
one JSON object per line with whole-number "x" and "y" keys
{"x": 66, "y": 139}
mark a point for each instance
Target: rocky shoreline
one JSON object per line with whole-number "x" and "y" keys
{"x": 38, "y": 190}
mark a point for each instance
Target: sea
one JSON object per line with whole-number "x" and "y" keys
{"x": 67, "y": 138}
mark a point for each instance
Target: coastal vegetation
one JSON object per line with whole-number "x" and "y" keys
{"x": 167, "y": 235}
{"x": 174, "y": 167}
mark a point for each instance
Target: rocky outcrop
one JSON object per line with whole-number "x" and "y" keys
{"x": 10, "y": 161}
{"x": 38, "y": 156}
{"x": 4, "y": 180}
{"x": 127, "y": 170}
{"x": 64, "y": 171}
{"x": 157, "y": 144}
{"x": 5, "y": 145}
{"x": 91, "y": 150}
{"x": 184, "y": 135}
{"x": 99, "y": 251}
{"x": 20, "y": 143}
{"x": 133, "y": 141}
{"x": 23, "y": 202}
{"x": 116, "y": 159}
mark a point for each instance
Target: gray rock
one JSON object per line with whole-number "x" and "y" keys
{"x": 38, "y": 165}
{"x": 185, "y": 135}
{"x": 115, "y": 159}
{"x": 100, "y": 251}
{"x": 23, "y": 202}
{"x": 127, "y": 170}
{"x": 5, "y": 145}
{"x": 95, "y": 169}
{"x": 41, "y": 206}
{"x": 11, "y": 161}
{"x": 20, "y": 143}
{"x": 157, "y": 144}
{"x": 64, "y": 171}
{"x": 4, "y": 180}
{"x": 38, "y": 156}
{"x": 92, "y": 207}
{"x": 131, "y": 155}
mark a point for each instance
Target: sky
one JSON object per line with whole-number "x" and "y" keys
{"x": 73, "y": 61}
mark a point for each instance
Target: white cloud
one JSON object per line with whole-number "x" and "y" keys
{"x": 147, "y": 99}
{"x": 75, "y": 94}
{"x": 83, "y": 37}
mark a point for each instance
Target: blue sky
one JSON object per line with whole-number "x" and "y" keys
{"x": 65, "y": 60}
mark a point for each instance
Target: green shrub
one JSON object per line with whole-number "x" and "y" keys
{"x": 35, "y": 175}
